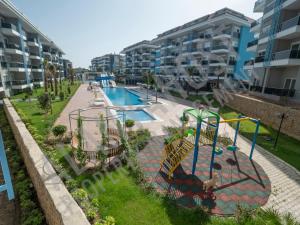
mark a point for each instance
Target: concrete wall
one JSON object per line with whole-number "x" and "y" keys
{"x": 57, "y": 203}
{"x": 268, "y": 113}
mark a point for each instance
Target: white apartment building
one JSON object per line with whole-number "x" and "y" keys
{"x": 212, "y": 47}
{"x": 276, "y": 68}
{"x": 23, "y": 49}
{"x": 110, "y": 63}
{"x": 139, "y": 59}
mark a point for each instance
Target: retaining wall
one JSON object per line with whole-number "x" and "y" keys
{"x": 57, "y": 203}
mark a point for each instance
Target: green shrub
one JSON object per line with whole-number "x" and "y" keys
{"x": 109, "y": 220}
{"x": 139, "y": 139}
{"x": 59, "y": 130}
{"x": 129, "y": 123}
{"x": 61, "y": 96}
{"x": 184, "y": 119}
{"x": 69, "y": 89}
{"x": 53, "y": 96}
{"x": 80, "y": 195}
{"x": 91, "y": 214}
{"x": 44, "y": 102}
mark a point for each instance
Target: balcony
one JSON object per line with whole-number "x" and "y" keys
{"x": 9, "y": 29}
{"x": 33, "y": 42}
{"x": 13, "y": 49}
{"x": 282, "y": 58}
{"x": 16, "y": 67}
{"x": 223, "y": 35}
{"x": 249, "y": 64}
{"x": 259, "y": 6}
{"x": 220, "y": 49}
{"x": 289, "y": 29}
{"x": 215, "y": 63}
{"x": 37, "y": 69}
{"x": 274, "y": 91}
{"x": 252, "y": 46}
{"x": 34, "y": 56}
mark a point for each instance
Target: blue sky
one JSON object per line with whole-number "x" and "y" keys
{"x": 88, "y": 28}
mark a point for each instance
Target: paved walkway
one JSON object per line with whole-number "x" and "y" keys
{"x": 285, "y": 179}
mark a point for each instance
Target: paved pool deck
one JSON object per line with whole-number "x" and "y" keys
{"x": 285, "y": 179}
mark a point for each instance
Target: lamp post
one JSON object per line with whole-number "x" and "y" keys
{"x": 282, "y": 116}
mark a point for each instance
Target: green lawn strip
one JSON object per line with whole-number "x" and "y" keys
{"x": 35, "y": 115}
{"x": 40, "y": 90}
{"x": 287, "y": 148}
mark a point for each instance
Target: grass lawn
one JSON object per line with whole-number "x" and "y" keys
{"x": 287, "y": 147}
{"x": 36, "y": 116}
{"x": 121, "y": 197}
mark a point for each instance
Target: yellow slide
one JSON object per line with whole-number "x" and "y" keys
{"x": 174, "y": 153}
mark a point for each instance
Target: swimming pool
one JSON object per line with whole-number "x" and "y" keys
{"x": 122, "y": 97}
{"x": 137, "y": 115}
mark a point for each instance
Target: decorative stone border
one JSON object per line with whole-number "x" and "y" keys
{"x": 57, "y": 203}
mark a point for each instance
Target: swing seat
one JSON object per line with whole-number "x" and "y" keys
{"x": 231, "y": 148}
{"x": 219, "y": 151}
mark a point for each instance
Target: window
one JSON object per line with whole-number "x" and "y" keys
{"x": 289, "y": 84}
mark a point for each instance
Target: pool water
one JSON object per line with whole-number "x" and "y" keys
{"x": 122, "y": 97}
{"x": 137, "y": 115}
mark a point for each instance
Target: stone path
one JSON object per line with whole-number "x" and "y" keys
{"x": 285, "y": 179}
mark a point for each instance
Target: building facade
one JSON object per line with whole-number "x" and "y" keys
{"x": 208, "y": 47}
{"x": 139, "y": 59}
{"x": 23, "y": 49}
{"x": 67, "y": 64}
{"x": 276, "y": 68}
{"x": 111, "y": 63}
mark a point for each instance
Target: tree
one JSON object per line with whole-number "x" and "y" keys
{"x": 44, "y": 102}
{"x": 71, "y": 74}
{"x": 53, "y": 72}
{"x": 46, "y": 75}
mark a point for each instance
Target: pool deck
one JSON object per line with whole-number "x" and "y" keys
{"x": 285, "y": 179}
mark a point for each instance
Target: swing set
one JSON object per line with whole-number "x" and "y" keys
{"x": 210, "y": 131}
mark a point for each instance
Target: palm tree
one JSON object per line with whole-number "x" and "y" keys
{"x": 71, "y": 74}
{"x": 54, "y": 77}
{"x": 46, "y": 75}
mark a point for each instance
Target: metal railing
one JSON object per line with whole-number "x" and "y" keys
{"x": 287, "y": 54}
{"x": 252, "y": 43}
{"x": 220, "y": 47}
{"x": 274, "y": 91}
{"x": 289, "y": 23}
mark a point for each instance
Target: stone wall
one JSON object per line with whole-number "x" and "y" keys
{"x": 57, "y": 203}
{"x": 268, "y": 113}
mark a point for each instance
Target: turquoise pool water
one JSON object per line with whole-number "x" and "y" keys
{"x": 137, "y": 115}
{"x": 122, "y": 97}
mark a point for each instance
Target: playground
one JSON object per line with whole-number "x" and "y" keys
{"x": 201, "y": 166}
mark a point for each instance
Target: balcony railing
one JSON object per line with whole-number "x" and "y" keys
{"x": 274, "y": 91}
{"x": 19, "y": 82}
{"x": 232, "y": 62}
{"x": 220, "y": 47}
{"x": 228, "y": 32}
{"x": 249, "y": 62}
{"x": 215, "y": 61}
{"x": 252, "y": 43}
{"x": 8, "y": 25}
{"x": 260, "y": 59}
{"x": 287, "y": 54}
{"x": 13, "y": 46}
{"x": 16, "y": 65}
{"x": 289, "y": 23}
{"x": 36, "y": 67}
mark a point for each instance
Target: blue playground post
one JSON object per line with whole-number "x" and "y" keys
{"x": 214, "y": 148}
{"x": 7, "y": 186}
{"x": 196, "y": 150}
{"x": 254, "y": 139}
{"x": 236, "y": 132}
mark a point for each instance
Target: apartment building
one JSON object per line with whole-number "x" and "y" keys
{"x": 23, "y": 49}
{"x": 67, "y": 64}
{"x": 212, "y": 47}
{"x": 111, "y": 63}
{"x": 139, "y": 59}
{"x": 276, "y": 68}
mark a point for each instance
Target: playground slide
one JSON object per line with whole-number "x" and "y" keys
{"x": 174, "y": 153}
